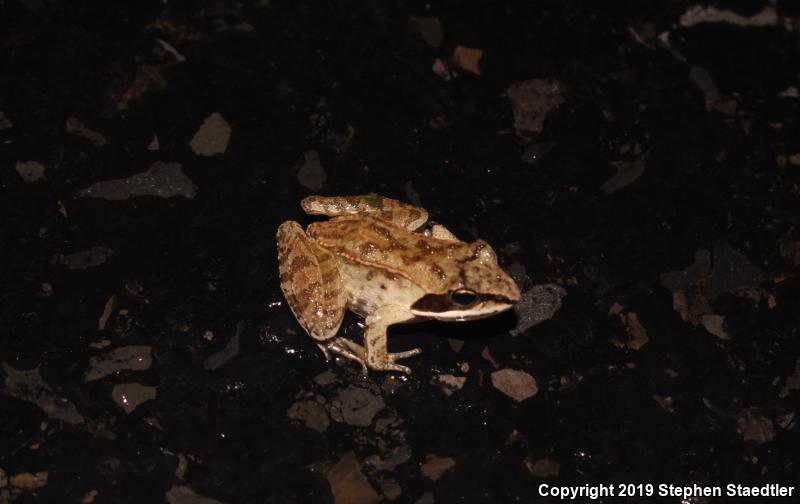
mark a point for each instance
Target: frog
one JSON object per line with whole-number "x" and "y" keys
{"x": 375, "y": 257}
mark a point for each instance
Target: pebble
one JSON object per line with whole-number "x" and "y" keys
{"x": 516, "y": 384}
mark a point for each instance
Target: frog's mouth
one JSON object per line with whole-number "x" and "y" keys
{"x": 443, "y": 307}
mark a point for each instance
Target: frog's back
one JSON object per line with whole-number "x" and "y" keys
{"x": 429, "y": 262}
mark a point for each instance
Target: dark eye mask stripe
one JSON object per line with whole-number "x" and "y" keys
{"x": 440, "y": 303}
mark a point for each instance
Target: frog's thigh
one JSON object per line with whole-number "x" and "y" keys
{"x": 387, "y": 209}
{"x": 310, "y": 282}
{"x": 375, "y": 347}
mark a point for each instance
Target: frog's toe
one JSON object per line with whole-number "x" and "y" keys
{"x": 397, "y": 367}
{"x": 325, "y": 352}
{"x": 392, "y": 365}
{"x": 407, "y": 353}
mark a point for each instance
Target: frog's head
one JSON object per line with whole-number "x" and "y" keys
{"x": 479, "y": 289}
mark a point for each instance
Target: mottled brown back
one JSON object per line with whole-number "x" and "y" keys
{"x": 432, "y": 263}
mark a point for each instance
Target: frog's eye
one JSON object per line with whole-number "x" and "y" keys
{"x": 463, "y": 297}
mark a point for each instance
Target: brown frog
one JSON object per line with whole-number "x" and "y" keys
{"x": 370, "y": 258}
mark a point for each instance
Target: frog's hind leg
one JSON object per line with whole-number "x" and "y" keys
{"x": 310, "y": 281}
{"x": 396, "y": 212}
{"x": 345, "y": 348}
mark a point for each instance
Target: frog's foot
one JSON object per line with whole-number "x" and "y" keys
{"x": 345, "y": 348}
{"x": 396, "y": 212}
{"x": 377, "y": 355}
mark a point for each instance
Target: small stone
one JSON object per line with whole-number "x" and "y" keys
{"x": 488, "y": 356}
{"x": 89, "y": 497}
{"x": 784, "y": 421}
{"x": 543, "y": 468}
{"x": 356, "y": 406}
{"x": 390, "y": 489}
{"x": 3, "y": 478}
{"x": 181, "y": 467}
{"x": 108, "y": 309}
{"x": 755, "y": 428}
{"x": 326, "y": 377}
{"x": 311, "y": 413}
{"x": 435, "y": 467}
{"x": 412, "y": 195}
{"x": 85, "y": 259}
{"x": 153, "y": 422}
{"x": 47, "y": 289}
{"x": 5, "y": 122}
{"x": 514, "y": 438}
{"x": 154, "y": 144}
{"x": 539, "y": 303}
{"x": 468, "y": 59}
{"x": 399, "y": 455}
{"x": 792, "y": 382}
{"x": 789, "y": 92}
{"x": 516, "y": 384}
{"x": 75, "y": 127}
{"x": 382, "y": 424}
{"x": 426, "y": 498}
{"x": 30, "y": 481}
{"x": 697, "y": 14}
{"x": 30, "y": 171}
{"x": 127, "y": 358}
{"x": 637, "y": 334}
{"x": 212, "y": 137}
{"x": 162, "y": 180}
{"x": 311, "y": 174}
{"x": 455, "y": 344}
{"x": 703, "y": 80}
{"x": 628, "y": 172}
{"x": 185, "y": 495}
{"x": 129, "y": 396}
{"x": 29, "y": 386}
{"x": 701, "y": 282}
{"x": 531, "y": 100}
{"x": 665, "y": 402}
{"x": 715, "y": 324}
{"x": 441, "y": 69}
{"x": 536, "y": 151}
{"x": 429, "y": 29}
{"x": 228, "y": 352}
{"x": 348, "y": 483}
{"x": 450, "y": 384}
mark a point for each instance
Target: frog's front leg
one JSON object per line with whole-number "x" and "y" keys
{"x": 375, "y": 344}
{"x": 387, "y": 209}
